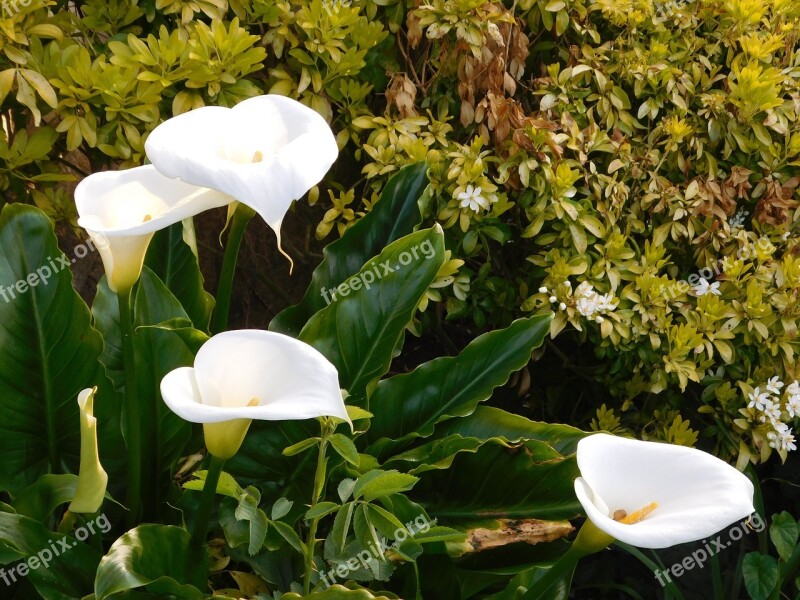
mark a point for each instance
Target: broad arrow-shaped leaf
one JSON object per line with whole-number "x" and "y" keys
{"x": 396, "y": 214}
{"x": 48, "y": 352}
{"x": 158, "y": 351}
{"x": 410, "y": 405}
{"x": 360, "y": 329}
{"x": 172, "y": 259}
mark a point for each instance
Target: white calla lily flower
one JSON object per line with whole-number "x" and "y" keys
{"x": 266, "y": 152}
{"x": 121, "y": 210}
{"x": 671, "y": 494}
{"x": 250, "y": 374}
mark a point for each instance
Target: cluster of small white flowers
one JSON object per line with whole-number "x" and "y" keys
{"x": 588, "y": 302}
{"x": 591, "y": 304}
{"x": 771, "y": 407}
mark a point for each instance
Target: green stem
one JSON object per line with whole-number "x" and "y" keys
{"x": 241, "y": 217}
{"x": 668, "y": 583}
{"x": 557, "y": 580}
{"x": 207, "y": 501}
{"x": 319, "y": 486}
{"x": 133, "y": 412}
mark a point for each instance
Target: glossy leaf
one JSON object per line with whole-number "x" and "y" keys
{"x": 48, "y": 352}
{"x": 396, "y": 214}
{"x": 70, "y": 569}
{"x": 411, "y": 405}
{"x": 159, "y": 558}
{"x": 760, "y": 573}
{"x": 40, "y": 499}
{"x": 157, "y": 353}
{"x": 171, "y": 258}
{"x": 488, "y": 422}
{"x": 359, "y": 331}
{"x": 521, "y": 481}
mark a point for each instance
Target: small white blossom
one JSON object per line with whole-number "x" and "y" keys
{"x": 758, "y": 399}
{"x": 782, "y": 438}
{"x": 562, "y": 306}
{"x": 472, "y": 199}
{"x": 553, "y": 299}
{"x": 772, "y": 411}
{"x": 794, "y": 388}
{"x": 774, "y": 385}
{"x": 703, "y": 288}
{"x": 543, "y": 290}
{"x": 793, "y": 406}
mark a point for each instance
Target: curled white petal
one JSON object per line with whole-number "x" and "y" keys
{"x": 697, "y": 494}
{"x": 266, "y": 152}
{"x": 253, "y": 374}
{"x": 121, "y": 210}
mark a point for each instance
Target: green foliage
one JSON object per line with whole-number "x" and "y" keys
{"x": 633, "y": 146}
{"x": 768, "y": 577}
{"x": 436, "y": 467}
{"x": 568, "y": 163}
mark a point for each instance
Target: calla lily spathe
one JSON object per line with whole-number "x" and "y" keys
{"x": 92, "y": 478}
{"x": 243, "y": 375}
{"x": 265, "y": 152}
{"x": 690, "y": 494}
{"x": 121, "y": 210}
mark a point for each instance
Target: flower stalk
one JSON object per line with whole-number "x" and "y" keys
{"x": 133, "y": 410}
{"x": 319, "y": 487}
{"x": 200, "y": 529}
{"x": 241, "y": 217}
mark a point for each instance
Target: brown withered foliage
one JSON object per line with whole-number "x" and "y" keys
{"x": 776, "y": 204}
{"x": 402, "y": 94}
{"x": 512, "y": 531}
{"x": 487, "y": 83}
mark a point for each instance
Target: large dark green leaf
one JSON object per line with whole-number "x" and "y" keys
{"x": 157, "y": 351}
{"x": 396, "y": 214}
{"x": 159, "y": 558}
{"x": 171, "y": 258}
{"x": 339, "y": 592}
{"x": 488, "y": 422}
{"x": 410, "y": 405}
{"x": 70, "y": 571}
{"x": 48, "y": 352}
{"x": 358, "y": 332}
{"x": 39, "y": 500}
{"x": 516, "y": 481}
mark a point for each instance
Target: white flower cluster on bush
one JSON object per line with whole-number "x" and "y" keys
{"x": 775, "y": 407}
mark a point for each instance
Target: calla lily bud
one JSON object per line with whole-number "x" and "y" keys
{"x": 250, "y": 374}
{"x": 655, "y": 495}
{"x": 92, "y": 479}
{"x": 121, "y": 210}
